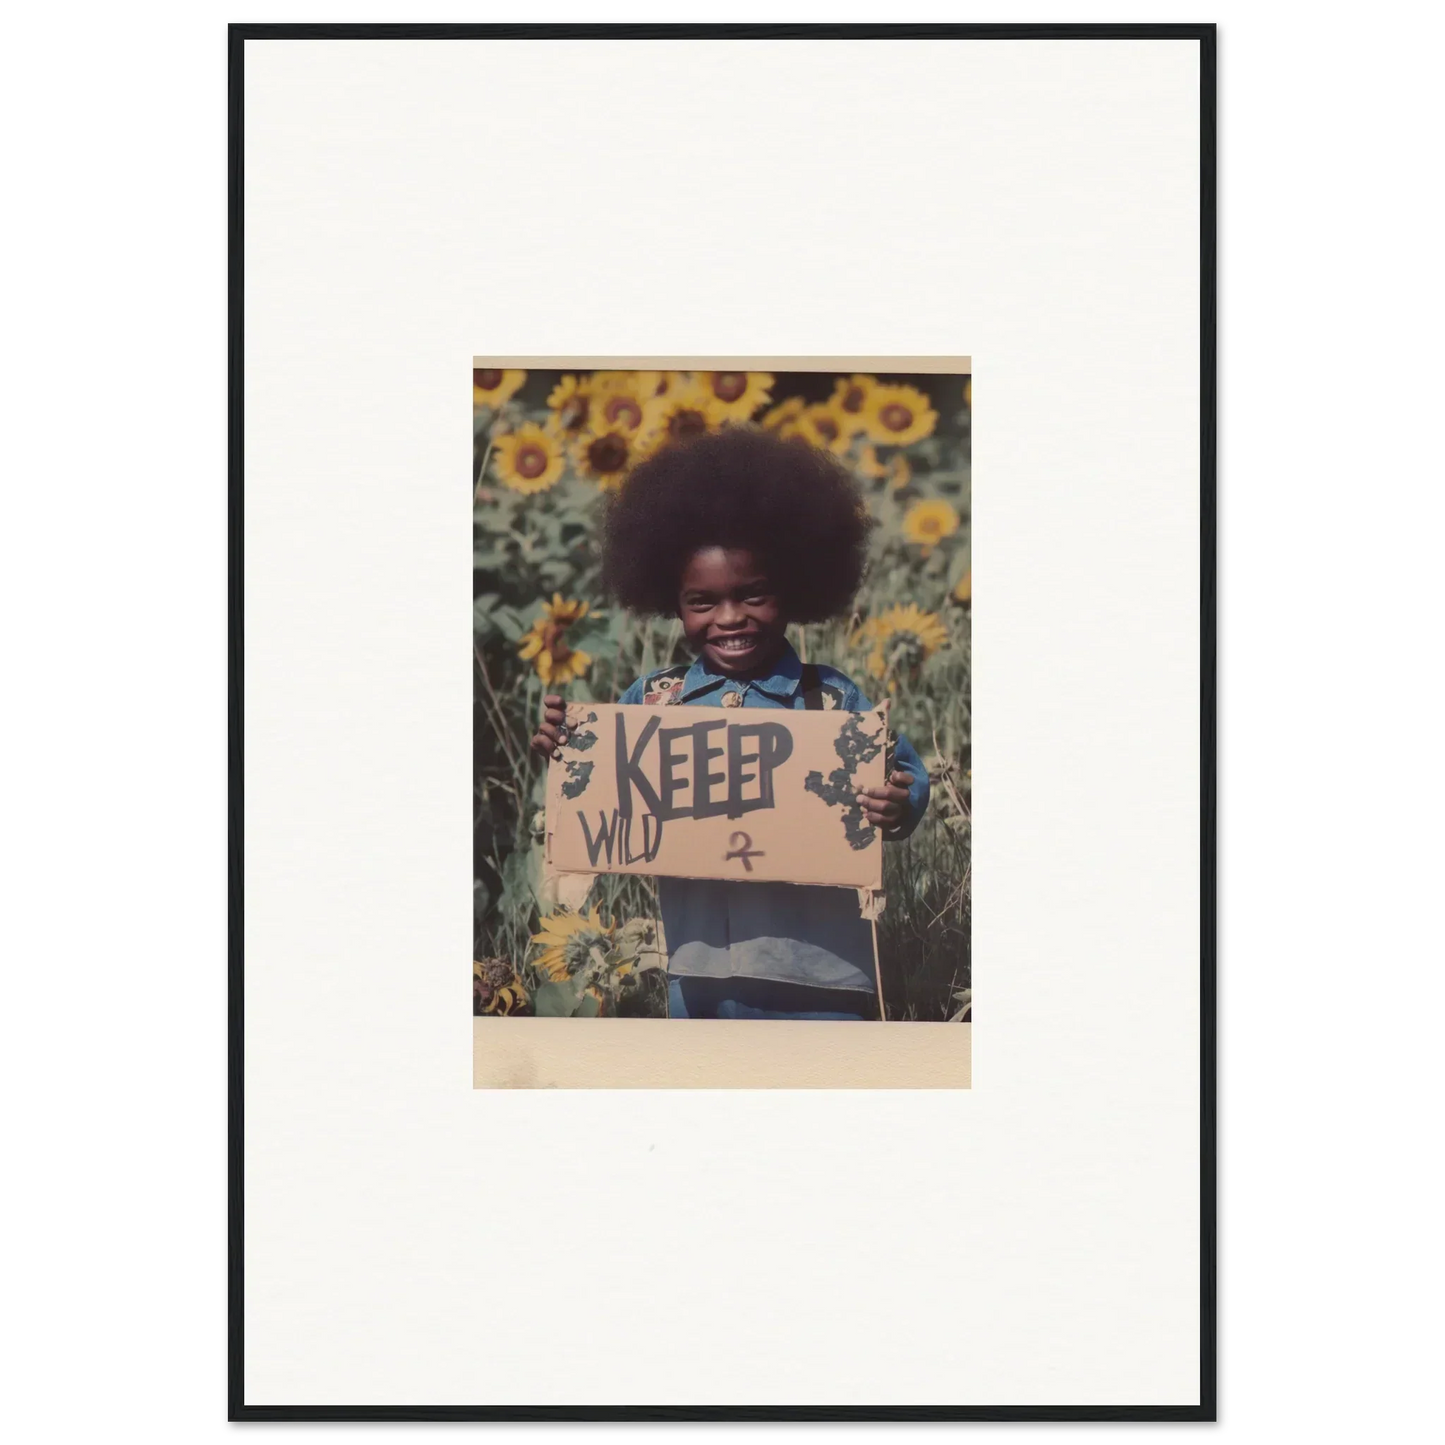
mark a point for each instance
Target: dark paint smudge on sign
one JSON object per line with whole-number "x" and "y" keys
{"x": 854, "y": 747}
{"x": 578, "y": 776}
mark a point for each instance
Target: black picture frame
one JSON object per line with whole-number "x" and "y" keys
{"x": 1204, "y": 35}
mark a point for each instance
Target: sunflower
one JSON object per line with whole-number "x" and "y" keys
{"x": 546, "y": 642}
{"x": 620, "y": 400}
{"x": 606, "y": 456}
{"x": 492, "y": 387}
{"x": 567, "y": 940}
{"x": 850, "y": 399}
{"x": 783, "y": 413}
{"x": 963, "y": 588}
{"x": 735, "y": 395}
{"x": 569, "y": 402}
{"x": 901, "y": 639}
{"x": 821, "y": 425}
{"x": 898, "y": 415}
{"x": 683, "y": 411}
{"x": 929, "y": 522}
{"x": 496, "y": 989}
{"x": 529, "y": 459}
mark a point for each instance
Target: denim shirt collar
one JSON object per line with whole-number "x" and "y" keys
{"x": 781, "y": 682}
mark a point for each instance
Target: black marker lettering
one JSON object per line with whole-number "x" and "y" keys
{"x": 629, "y": 769}
{"x": 606, "y": 836}
{"x": 775, "y": 747}
{"x": 668, "y": 760}
{"x": 703, "y": 803}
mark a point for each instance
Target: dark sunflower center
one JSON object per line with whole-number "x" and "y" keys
{"x": 730, "y": 385}
{"x": 554, "y": 639}
{"x": 853, "y": 399}
{"x": 487, "y": 380}
{"x": 827, "y": 428}
{"x": 531, "y": 462}
{"x": 623, "y": 409}
{"x": 608, "y": 454}
{"x": 908, "y": 650}
{"x": 895, "y": 416}
{"x": 573, "y": 413}
{"x": 578, "y": 949}
{"x": 687, "y": 423}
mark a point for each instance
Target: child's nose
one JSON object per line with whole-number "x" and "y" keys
{"x": 729, "y": 613}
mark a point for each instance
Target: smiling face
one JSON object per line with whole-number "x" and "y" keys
{"x": 729, "y": 611}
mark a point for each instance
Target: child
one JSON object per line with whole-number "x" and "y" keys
{"x": 738, "y": 534}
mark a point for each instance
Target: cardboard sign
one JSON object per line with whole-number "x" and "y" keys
{"x": 749, "y": 794}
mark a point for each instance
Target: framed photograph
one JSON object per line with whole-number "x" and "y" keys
{"x": 707, "y": 767}
{"x": 807, "y": 870}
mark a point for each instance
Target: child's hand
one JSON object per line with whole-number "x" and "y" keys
{"x": 549, "y": 734}
{"x": 886, "y": 807}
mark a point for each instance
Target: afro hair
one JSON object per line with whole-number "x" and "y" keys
{"x": 795, "y": 507}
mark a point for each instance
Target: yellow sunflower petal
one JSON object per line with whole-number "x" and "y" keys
{"x": 683, "y": 411}
{"x": 569, "y": 403}
{"x": 784, "y": 412}
{"x": 529, "y": 459}
{"x": 929, "y": 522}
{"x": 911, "y": 620}
{"x": 620, "y": 401}
{"x": 735, "y": 395}
{"x": 898, "y": 415}
{"x": 494, "y": 386}
{"x": 606, "y": 457}
{"x": 824, "y": 426}
{"x": 850, "y": 399}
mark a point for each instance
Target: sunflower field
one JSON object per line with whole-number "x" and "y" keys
{"x": 547, "y": 448}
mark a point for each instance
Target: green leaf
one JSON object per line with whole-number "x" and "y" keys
{"x": 588, "y": 1008}
{"x": 509, "y": 624}
{"x": 483, "y": 623}
{"x": 557, "y": 1001}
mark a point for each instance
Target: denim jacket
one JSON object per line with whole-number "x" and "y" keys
{"x": 788, "y": 932}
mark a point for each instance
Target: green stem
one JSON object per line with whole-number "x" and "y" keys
{"x": 486, "y": 457}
